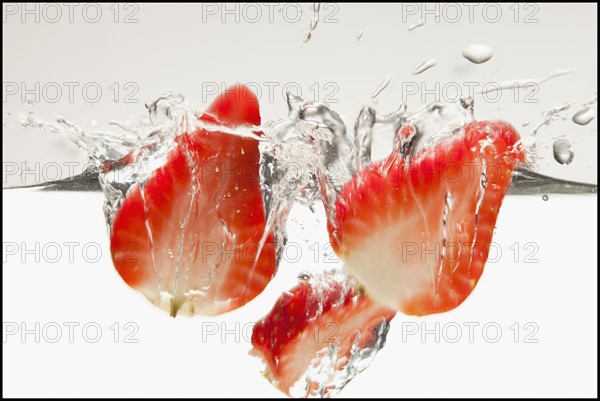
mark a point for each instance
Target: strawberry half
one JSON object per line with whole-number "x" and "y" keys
{"x": 192, "y": 237}
{"x": 319, "y": 335}
{"x": 416, "y": 231}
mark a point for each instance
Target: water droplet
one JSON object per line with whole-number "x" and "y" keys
{"x": 414, "y": 26}
{"x": 307, "y": 37}
{"x": 243, "y": 151}
{"x": 551, "y": 115}
{"x": 562, "y": 151}
{"x": 584, "y": 116}
{"x": 237, "y": 211}
{"x": 229, "y": 194}
{"x": 314, "y": 22}
{"x": 525, "y": 124}
{"x": 384, "y": 84}
{"x": 236, "y": 188}
{"x": 544, "y": 197}
{"x": 360, "y": 34}
{"x": 477, "y": 54}
{"x": 424, "y": 66}
{"x": 216, "y": 169}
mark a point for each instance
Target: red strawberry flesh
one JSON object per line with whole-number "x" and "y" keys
{"x": 304, "y": 325}
{"x": 192, "y": 238}
{"x": 416, "y": 232}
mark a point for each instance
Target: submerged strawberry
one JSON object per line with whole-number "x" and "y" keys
{"x": 192, "y": 237}
{"x": 319, "y": 335}
{"x": 416, "y": 231}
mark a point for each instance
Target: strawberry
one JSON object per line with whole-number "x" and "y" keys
{"x": 192, "y": 237}
{"x": 319, "y": 334}
{"x": 415, "y": 231}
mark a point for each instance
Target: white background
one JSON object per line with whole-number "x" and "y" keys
{"x": 181, "y": 48}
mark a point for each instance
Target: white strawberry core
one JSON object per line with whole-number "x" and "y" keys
{"x": 395, "y": 272}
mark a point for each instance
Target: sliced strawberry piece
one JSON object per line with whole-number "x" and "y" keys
{"x": 318, "y": 335}
{"x": 416, "y": 232}
{"x": 192, "y": 238}
{"x": 236, "y": 106}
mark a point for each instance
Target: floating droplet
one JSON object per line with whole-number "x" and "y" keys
{"x": 544, "y": 197}
{"x": 414, "y": 26}
{"x": 307, "y": 37}
{"x": 477, "y": 54}
{"x": 584, "y": 116}
{"x": 360, "y": 34}
{"x": 562, "y": 151}
{"x": 424, "y": 66}
{"x": 384, "y": 84}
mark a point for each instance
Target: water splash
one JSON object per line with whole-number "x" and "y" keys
{"x": 364, "y": 136}
{"x": 330, "y": 369}
{"x": 525, "y": 83}
{"x": 305, "y": 157}
{"x": 413, "y": 132}
{"x": 551, "y": 115}
{"x": 99, "y": 146}
{"x": 313, "y": 137}
{"x": 438, "y": 120}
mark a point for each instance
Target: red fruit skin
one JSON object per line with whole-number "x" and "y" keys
{"x": 196, "y": 229}
{"x": 389, "y": 229}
